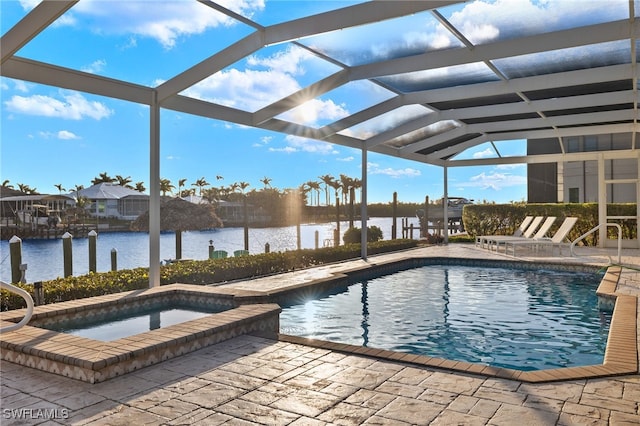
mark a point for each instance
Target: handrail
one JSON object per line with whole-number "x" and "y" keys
{"x": 27, "y": 297}
{"x": 583, "y": 236}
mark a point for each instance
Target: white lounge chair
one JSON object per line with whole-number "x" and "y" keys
{"x": 527, "y": 233}
{"x": 540, "y": 233}
{"x": 556, "y": 241}
{"x": 481, "y": 240}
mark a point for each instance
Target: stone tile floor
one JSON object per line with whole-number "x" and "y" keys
{"x": 251, "y": 380}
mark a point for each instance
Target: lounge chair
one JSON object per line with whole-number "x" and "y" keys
{"x": 556, "y": 241}
{"x": 481, "y": 240}
{"x": 540, "y": 233}
{"x": 527, "y": 233}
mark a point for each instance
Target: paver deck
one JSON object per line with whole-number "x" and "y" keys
{"x": 252, "y": 380}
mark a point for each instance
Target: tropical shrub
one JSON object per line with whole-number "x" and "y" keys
{"x": 354, "y": 235}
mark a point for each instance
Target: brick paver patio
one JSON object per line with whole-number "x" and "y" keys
{"x": 252, "y": 380}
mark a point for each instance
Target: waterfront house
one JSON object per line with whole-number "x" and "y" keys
{"x": 109, "y": 200}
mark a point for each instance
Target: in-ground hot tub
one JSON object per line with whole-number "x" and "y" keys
{"x": 92, "y": 360}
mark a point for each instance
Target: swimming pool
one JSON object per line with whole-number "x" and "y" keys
{"x": 512, "y": 318}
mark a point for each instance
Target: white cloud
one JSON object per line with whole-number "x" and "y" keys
{"x": 287, "y": 149}
{"x": 73, "y": 106}
{"x": 309, "y": 145}
{"x": 95, "y": 67}
{"x": 164, "y": 21}
{"x": 374, "y": 169}
{"x": 67, "y": 135}
{"x": 346, "y": 159}
{"x": 264, "y": 81}
{"x": 314, "y": 110}
{"x": 18, "y": 85}
{"x": 487, "y": 153}
{"x": 494, "y": 180}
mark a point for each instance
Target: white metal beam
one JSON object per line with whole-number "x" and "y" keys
{"x": 524, "y": 84}
{"x": 52, "y": 75}
{"x": 351, "y": 16}
{"x": 359, "y": 14}
{"x": 211, "y": 65}
{"x": 364, "y": 115}
{"x": 31, "y": 25}
{"x": 545, "y": 158}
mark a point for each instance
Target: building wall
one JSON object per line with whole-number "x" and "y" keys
{"x": 577, "y": 181}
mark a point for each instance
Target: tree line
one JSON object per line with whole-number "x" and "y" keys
{"x": 343, "y": 187}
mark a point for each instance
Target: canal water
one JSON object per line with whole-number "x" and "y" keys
{"x": 44, "y": 258}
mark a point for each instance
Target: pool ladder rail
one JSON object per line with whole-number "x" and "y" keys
{"x": 27, "y": 297}
{"x": 606, "y": 225}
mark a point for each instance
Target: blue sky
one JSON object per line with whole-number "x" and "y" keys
{"x": 53, "y": 136}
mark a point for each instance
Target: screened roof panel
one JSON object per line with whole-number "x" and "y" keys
{"x": 386, "y": 121}
{"x": 483, "y": 22}
{"x": 263, "y": 78}
{"x": 336, "y": 104}
{"x": 421, "y": 80}
{"x": 159, "y": 30}
{"x": 575, "y": 58}
{"x": 422, "y": 133}
{"x": 458, "y": 75}
{"x": 384, "y": 40}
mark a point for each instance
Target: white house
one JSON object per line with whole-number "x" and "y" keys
{"x": 112, "y": 200}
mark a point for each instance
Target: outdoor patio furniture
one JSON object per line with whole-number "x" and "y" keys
{"x": 540, "y": 233}
{"x": 556, "y": 241}
{"x": 481, "y": 240}
{"x": 527, "y": 233}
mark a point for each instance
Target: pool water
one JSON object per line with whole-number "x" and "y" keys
{"x": 127, "y": 323}
{"x": 512, "y": 318}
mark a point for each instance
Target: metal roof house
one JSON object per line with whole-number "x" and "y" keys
{"x": 447, "y": 81}
{"x": 109, "y": 200}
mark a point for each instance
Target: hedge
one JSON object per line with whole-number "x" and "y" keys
{"x": 197, "y": 272}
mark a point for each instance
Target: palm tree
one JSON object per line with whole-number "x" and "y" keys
{"x": 345, "y": 184}
{"x": 165, "y": 186}
{"x": 243, "y": 186}
{"x": 60, "y": 188}
{"x": 201, "y": 183}
{"x": 304, "y": 190}
{"x": 6, "y": 184}
{"x": 357, "y": 184}
{"x": 327, "y": 179}
{"x": 103, "y": 178}
{"x": 336, "y": 186}
{"x": 23, "y": 187}
{"x": 124, "y": 181}
{"x": 266, "y": 182}
{"x": 181, "y": 183}
{"x": 140, "y": 187}
{"x": 314, "y": 186}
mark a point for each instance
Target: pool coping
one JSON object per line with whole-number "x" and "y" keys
{"x": 621, "y": 354}
{"x": 95, "y": 361}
